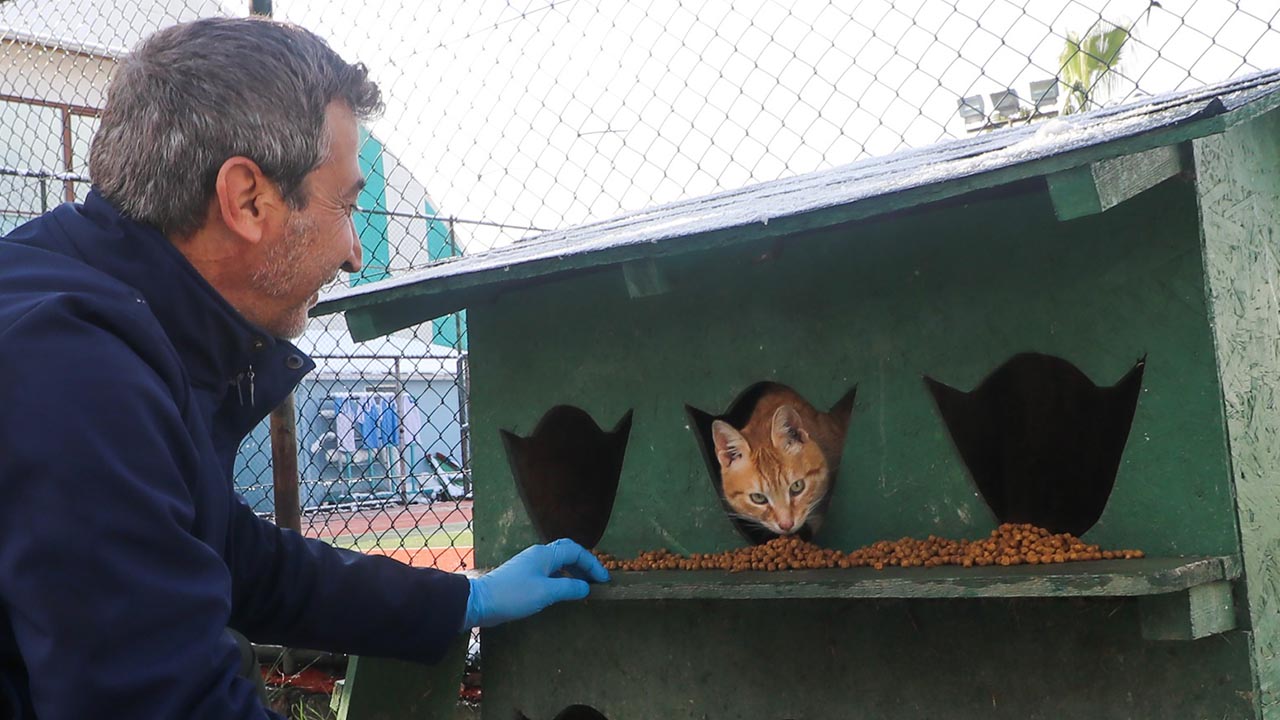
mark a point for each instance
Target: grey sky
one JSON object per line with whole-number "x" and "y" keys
{"x": 556, "y": 113}
{"x": 549, "y": 113}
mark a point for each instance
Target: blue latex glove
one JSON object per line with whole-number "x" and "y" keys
{"x": 524, "y": 584}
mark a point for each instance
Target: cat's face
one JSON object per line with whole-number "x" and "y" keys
{"x": 777, "y": 483}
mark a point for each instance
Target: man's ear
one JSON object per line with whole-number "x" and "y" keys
{"x": 249, "y": 204}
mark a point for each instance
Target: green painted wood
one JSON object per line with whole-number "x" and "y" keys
{"x": 382, "y": 689}
{"x": 1119, "y": 179}
{"x": 1239, "y": 181}
{"x": 1074, "y": 193}
{"x": 396, "y": 306}
{"x": 644, "y": 279}
{"x": 1183, "y": 272}
{"x": 952, "y": 293}
{"x": 1199, "y": 612}
{"x": 1100, "y": 186}
{"x": 985, "y": 659}
{"x": 1105, "y": 578}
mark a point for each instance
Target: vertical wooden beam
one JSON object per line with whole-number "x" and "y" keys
{"x": 284, "y": 465}
{"x": 284, "y": 473}
{"x": 1239, "y": 199}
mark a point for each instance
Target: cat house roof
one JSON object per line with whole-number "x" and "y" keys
{"x": 1136, "y": 138}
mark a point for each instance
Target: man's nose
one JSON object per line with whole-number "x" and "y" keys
{"x": 355, "y": 259}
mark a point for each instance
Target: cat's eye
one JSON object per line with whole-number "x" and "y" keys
{"x": 759, "y": 498}
{"x": 797, "y": 487}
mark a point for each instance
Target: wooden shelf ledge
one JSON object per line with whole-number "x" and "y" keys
{"x": 1104, "y": 578}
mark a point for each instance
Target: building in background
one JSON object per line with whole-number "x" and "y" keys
{"x": 396, "y": 215}
{"x": 377, "y": 422}
{"x": 55, "y": 60}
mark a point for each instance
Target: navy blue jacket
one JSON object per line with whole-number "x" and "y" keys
{"x": 125, "y": 553}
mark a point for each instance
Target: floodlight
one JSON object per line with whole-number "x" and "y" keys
{"x": 972, "y": 109}
{"x": 1006, "y": 102}
{"x": 1044, "y": 93}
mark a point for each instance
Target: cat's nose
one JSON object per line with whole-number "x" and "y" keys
{"x": 786, "y": 525}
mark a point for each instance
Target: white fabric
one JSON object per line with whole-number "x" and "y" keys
{"x": 410, "y": 420}
{"x": 344, "y": 423}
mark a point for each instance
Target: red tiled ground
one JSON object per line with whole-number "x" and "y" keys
{"x": 449, "y": 559}
{"x": 331, "y": 524}
{"x": 399, "y": 517}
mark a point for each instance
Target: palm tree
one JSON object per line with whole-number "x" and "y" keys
{"x": 1089, "y": 66}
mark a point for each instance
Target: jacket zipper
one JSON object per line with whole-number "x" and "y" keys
{"x": 238, "y": 381}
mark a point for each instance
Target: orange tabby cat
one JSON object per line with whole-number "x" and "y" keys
{"x": 778, "y": 468}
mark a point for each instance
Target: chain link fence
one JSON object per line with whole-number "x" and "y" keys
{"x": 506, "y": 119}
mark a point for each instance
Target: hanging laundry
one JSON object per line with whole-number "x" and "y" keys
{"x": 378, "y": 423}
{"x": 410, "y": 419}
{"x": 389, "y": 424}
{"x": 344, "y": 422}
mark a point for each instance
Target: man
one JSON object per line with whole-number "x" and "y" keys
{"x": 139, "y": 343}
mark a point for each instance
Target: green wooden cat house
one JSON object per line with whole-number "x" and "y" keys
{"x": 1074, "y": 323}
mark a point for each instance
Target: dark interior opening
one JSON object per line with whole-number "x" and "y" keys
{"x": 737, "y": 415}
{"x": 573, "y": 712}
{"x": 1041, "y": 440}
{"x": 567, "y": 473}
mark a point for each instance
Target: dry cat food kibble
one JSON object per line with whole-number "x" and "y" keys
{"x": 1008, "y": 544}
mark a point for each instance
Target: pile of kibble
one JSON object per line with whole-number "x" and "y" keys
{"x": 1008, "y": 544}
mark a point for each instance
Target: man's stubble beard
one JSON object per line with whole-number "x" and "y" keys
{"x": 281, "y": 272}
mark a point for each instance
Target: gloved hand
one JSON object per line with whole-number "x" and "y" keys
{"x": 523, "y": 585}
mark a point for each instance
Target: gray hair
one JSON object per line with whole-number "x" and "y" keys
{"x": 196, "y": 94}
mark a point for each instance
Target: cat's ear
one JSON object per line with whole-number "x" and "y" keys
{"x": 731, "y": 447}
{"x": 788, "y": 429}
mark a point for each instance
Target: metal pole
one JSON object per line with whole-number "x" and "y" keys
{"x": 68, "y": 161}
{"x": 463, "y": 379}
{"x": 401, "y": 401}
{"x": 464, "y": 422}
{"x": 260, "y": 7}
{"x": 284, "y": 465}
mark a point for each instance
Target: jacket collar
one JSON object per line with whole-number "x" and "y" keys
{"x": 221, "y": 350}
